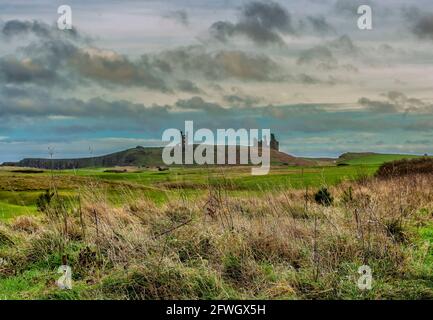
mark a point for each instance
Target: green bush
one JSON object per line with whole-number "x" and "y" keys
{"x": 44, "y": 200}
{"x": 323, "y": 197}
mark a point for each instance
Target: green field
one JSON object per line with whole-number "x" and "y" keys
{"x": 188, "y": 245}
{"x": 378, "y": 159}
{"x": 19, "y": 191}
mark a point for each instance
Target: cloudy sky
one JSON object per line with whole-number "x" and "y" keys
{"x": 130, "y": 69}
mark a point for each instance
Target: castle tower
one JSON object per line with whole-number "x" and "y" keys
{"x": 275, "y": 144}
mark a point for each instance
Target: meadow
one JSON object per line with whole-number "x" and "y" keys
{"x": 19, "y": 191}
{"x": 216, "y": 233}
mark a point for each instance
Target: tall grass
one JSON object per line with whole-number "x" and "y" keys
{"x": 283, "y": 245}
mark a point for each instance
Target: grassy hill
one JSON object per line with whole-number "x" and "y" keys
{"x": 139, "y": 157}
{"x": 370, "y": 158}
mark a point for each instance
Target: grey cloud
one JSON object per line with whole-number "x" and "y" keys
{"x": 198, "y": 104}
{"x": 311, "y": 80}
{"x": 64, "y": 61}
{"x": 397, "y": 102}
{"x": 266, "y": 22}
{"x": 31, "y": 103}
{"x": 320, "y": 56}
{"x": 320, "y": 25}
{"x": 326, "y": 56}
{"x": 344, "y": 45}
{"x": 378, "y": 106}
{"x": 349, "y": 7}
{"x": 188, "y": 86}
{"x": 17, "y": 28}
{"x": 410, "y": 13}
{"x": 242, "y": 100}
{"x": 420, "y": 22}
{"x": 180, "y": 16}
{"x": 114, "y": 69}
{"x": 13, "y": 70}
{"x": 262, "y": 22}
{"x": 221, "y": 64}
{"x": 40, "y": 61}
{"x": 423, "y": 28}
{"x": 59, "y": 61}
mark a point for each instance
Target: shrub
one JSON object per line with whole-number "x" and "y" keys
{"x": 405, "y": 167}
{"x": 44, "y": 200}
{"x": 323, "y": 197}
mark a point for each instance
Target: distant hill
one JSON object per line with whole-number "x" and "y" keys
{"x": 354, "y": 158}
{"x": 139, "y": 156}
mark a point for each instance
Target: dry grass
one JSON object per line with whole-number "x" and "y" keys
{"x": 280, "y": 246}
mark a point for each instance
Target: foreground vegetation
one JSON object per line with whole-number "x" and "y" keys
{"x": 20, "y": 189}
{"x": 283, "y": 245}
{"x": 299, "y": 233}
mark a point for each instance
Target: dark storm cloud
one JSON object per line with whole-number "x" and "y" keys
{"x": 17, "y": 28}
{"x": 423, "y": 27}
{"x": 262, "y": 22}
{"x": 59, "y": 57}
{"x": 55, "y": 61}
{"x": 266, "y": 22}
{"x": 420, "y": 22}
{"x": 16, "y": 71}
{"x": 39, "y": 63}
{"x": 63, "y": 61}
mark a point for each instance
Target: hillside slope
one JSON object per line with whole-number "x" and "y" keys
{"x": 139, "y": 156}
{"x": 370, "y": 158}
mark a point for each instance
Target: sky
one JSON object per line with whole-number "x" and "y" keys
{"x": 130, "y": 69}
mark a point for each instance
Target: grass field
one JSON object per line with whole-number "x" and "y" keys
{"x": 376, "y": 159}
{"x": 19, "y": 191}
{"x": 217, "y": 233}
